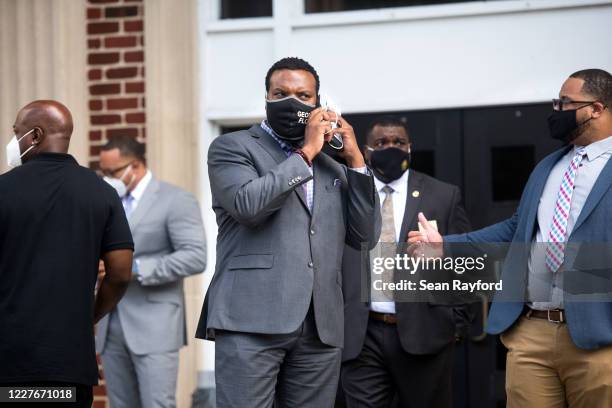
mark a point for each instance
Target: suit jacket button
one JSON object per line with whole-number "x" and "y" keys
{"x": 311, "y": 232}
{"x": 310, "y": 264}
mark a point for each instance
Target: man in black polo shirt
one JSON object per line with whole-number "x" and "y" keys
{"x": 57, "y": 220}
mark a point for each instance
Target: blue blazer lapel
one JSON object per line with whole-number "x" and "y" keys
{"x": 535, "y": 191}
{"x": 602, "y": 184}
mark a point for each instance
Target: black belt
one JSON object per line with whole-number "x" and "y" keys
{"x": 384, "y": 317}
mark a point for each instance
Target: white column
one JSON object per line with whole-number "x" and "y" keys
{"x": 44, "y": 55}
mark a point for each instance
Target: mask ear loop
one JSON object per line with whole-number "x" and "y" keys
{"x": 28, "y": 149}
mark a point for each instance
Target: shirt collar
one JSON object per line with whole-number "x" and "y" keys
{"x": 594, "y": 150}
{"x": 400, "y": 185}
{"x": 287, "y": 148}
{"x": 141, "y": 186}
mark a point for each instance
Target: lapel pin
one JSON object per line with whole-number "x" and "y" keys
{"x": 416, "y": 193}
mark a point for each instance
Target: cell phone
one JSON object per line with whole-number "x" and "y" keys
{"x": 328, "y": 104}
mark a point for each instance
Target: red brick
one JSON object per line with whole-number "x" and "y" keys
{"x": 94, "y": 165}
{"x": 132, "y": 132}
{"x": 143, "y": 102}
{"x": 134, "y": 25}
{"x": 126, "y": 72}
{"x": 119, "y": 12}
{"x": 94, "y": 13}
{"x": 142, "y": 40}
{"x": 135, "y": 87}
{"x": 104, "y": 89}
{"x": 133, "y": 56}
{"x": 99, "y": 404}
{"x": 102, "y": 28}
{"x": 122, "y": 103}
{"x": 105, "y": 119}
{"x": 118, "y": 42}
{"x": 102, "y": 58}
{"x": 142, "y": 71}
{"x": 95, "y": 105}
{"x": 144, "y": 133}
{"x": 94, "y": 74}
{"x": 95, "y": 151}
{"x": 94, "y": 43}
{"x": 99, "y": 389}
{"x": 138, "y": 117}
{"x": 95, "y": 135}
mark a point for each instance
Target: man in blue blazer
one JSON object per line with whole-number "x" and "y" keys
{"x": 559, "y": 350}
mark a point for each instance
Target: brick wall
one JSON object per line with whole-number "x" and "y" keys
{"x": 115, "y": 41}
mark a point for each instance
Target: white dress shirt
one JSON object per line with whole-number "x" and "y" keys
{"x": 399, "y": 197}
{"x": 138, "y": 191}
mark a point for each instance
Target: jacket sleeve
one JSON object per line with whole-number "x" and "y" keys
{"x": 187, "y": 238}
{"x": 501, "y": 232}
{"x": 248, "y": 197}
{"x": 364, "y": 221}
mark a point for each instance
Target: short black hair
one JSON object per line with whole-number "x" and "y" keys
{"x": 386, "y": 121}
{"x": 291, "y": 63}
{"x": 128, "y": 147}
{"x": 597, "y": 83}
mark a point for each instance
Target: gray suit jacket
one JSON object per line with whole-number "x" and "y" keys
{"x": 273, "y": 255}
{"x": 169, "y": 245}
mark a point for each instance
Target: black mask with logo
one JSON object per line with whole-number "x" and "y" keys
{"x": 288, "y": 118}
{"x": 564, "y": 126}
{"x": 389, "y": 164}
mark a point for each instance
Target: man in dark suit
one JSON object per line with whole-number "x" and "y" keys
{"x": 559, "y": 341}
{"x": 285, "y": 211}
{"x": 403, "y": 348}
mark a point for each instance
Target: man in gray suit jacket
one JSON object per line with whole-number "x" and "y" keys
{"x": 284, "y": 210}
{"x": 140, "y": 339}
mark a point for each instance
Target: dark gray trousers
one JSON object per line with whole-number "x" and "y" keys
{"x": 276, "y": 370}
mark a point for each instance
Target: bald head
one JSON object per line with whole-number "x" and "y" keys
{"x": 50, "y": 126}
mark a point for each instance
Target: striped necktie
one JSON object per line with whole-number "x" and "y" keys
{"x": 555, "y": 251}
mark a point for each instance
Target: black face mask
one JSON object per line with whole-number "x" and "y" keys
{"x": 563, "y": 125}
{"x": 288, "y": 118}
{"x": 389, "y": 164}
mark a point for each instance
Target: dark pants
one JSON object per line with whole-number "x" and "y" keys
{"x": 281, "y": 370}
{"x": 383, "y": 370}
{"x": 84, "y": 395}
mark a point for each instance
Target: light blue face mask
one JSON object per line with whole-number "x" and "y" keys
{"x": 13, "y": 153}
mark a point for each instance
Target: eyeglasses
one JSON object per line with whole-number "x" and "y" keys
{"x": 111, "y": 173}
{"x": 559, "y": 103}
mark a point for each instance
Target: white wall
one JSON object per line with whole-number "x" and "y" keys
{"x": 456, "y": 55}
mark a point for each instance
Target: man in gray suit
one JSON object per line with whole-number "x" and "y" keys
{"x": 284, "y": 211}
{"x": 139, "y": 341}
